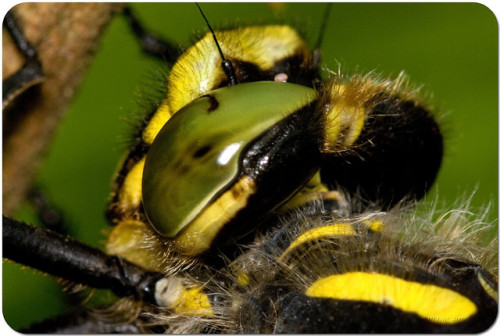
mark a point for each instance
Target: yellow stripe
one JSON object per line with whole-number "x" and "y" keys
{"x": 199, "y": 235}
{"x": 156, "y": 123}
{"x": 340, "y": 229}
{"x": 346, "y": 118}
{"x": 487, "y": 288}
{"x": 437, "y": 304}
{"x": 130, "y": 196}
{"x": 313, "y": 190}
{"x": 376, "y": 225}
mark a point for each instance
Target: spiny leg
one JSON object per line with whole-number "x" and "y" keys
{"x": 64, "y": 257}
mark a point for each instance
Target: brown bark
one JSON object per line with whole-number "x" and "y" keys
{"x": 66, "y": 35}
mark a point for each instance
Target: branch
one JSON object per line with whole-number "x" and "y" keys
{"x": 66, "y": 36}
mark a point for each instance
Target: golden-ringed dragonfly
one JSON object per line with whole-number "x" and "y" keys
{"x": 295, "y": 216}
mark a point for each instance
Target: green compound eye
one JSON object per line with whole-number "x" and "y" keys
{"x": 193, "y": 183}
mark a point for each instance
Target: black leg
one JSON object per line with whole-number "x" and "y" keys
{"x": 150, "y": 43}
{"x": 31, "y": 72}
{"x": 64, "y": 257}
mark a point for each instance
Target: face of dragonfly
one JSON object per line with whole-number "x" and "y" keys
{"x": 96, "y": 181}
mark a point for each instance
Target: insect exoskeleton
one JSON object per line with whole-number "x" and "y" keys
{"x": 216, "y": 160}
{"x": 262, "y": 198}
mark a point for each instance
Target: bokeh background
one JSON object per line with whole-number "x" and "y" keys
{"x": 448, "y": 49}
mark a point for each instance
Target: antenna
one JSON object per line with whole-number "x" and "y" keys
{"x": 323, "y": 25}
{"x": 226, "y": 65}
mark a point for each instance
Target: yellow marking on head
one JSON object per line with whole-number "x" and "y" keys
{"x": 198, "y": 70}
{"x": 154, "y": 126}
{"x": 261, "y": 45}
{"x": 437, "y": 304}
{"x": 487, "y": 288}
{"x": 130, "y": 194}
{"x": 127, "y": 240}
{"x": 198, "y": 236}
{"x": 340, "y": 229}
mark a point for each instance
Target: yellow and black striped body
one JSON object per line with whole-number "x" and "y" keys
{"x": 364, "y": 274}
{"x": 310, "y": 253}
{"x": 328, "y": 272}
{"x": 281, "y": 201}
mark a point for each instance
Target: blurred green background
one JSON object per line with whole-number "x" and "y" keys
{"x": 448, "y": 49}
